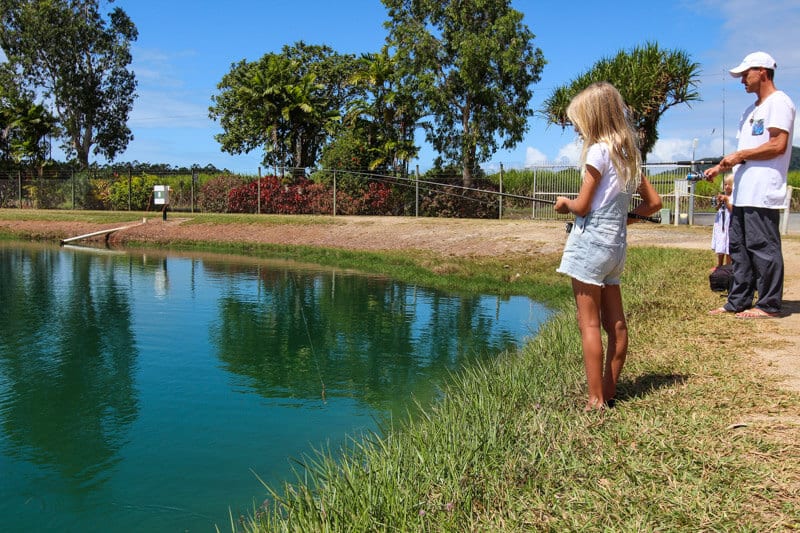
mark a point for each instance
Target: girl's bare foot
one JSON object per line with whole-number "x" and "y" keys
{"x": 595, "y": 404}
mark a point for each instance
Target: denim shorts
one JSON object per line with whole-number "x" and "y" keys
{"x": 596, "y": 247}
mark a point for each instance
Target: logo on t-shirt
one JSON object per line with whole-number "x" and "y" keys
{"x": 758, "y": 127}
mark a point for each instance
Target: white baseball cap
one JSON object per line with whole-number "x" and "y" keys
{"x": 754, "y": 60}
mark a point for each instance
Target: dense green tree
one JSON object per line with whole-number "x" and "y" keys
{"x": 286, "y": 103}
{"x": 472, "y": 64}
{"x": 79, "y": 61}
{"x": 249, "y": 105}
{"x": 650, "y": 79}
{"x": 24, "y": 124}
{"x": 384, "y": 114}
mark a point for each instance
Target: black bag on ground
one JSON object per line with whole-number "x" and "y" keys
{"x": 721, "y": 279}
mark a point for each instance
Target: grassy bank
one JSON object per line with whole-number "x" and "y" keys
{"x": 700, "y": 439}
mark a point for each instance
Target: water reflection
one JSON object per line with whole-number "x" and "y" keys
{"x": 147, "y": 388}
{"x": 336, "y": 334}
{"x": 67, "y": 356}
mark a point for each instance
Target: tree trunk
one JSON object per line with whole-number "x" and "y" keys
{"x": 297, "y": 169}
{"x": 469, "y": 164}
{"x": 468, "y": 145}
{"x": 83, "y": 144}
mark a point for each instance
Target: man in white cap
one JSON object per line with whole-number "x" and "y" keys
{"x": 760, "y": 164}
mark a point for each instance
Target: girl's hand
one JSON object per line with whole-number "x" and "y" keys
{"x": 562, "y": 205}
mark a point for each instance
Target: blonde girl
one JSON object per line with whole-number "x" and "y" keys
{"x": 594, "y": 255}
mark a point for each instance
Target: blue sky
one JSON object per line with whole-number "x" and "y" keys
{"x": 184, "y": 49}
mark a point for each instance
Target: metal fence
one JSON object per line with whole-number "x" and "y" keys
{"x": 101, "y": 189}
{"x": 515, "y": 193}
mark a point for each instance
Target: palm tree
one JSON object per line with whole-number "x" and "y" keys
{"x": 265, "y": 92}
{"x": 651, "y": 80}
{"x": 24, "y": 126}
{"x": 387, "y": 114}
{"x": 276, "y": 103}
{"x": 308, "y": 117}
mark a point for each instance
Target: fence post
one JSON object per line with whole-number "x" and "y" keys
{"x": 130, "y": 186}
{"x": 533, "y": 195}
{"x": 677, "y": 206}
{"x": 191, "y": 189}
{"x": 19, "y": 188}
{"x": 500, "y": 204}
{"x": 258, "y": 202}
{"x": 787, "y": 207}
{"x": 416, "y": 192}
{"x": 72, "y": 180}
{"x": 334, "y": 193}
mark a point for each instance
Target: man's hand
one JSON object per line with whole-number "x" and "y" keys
{"x": 710, "y": 173}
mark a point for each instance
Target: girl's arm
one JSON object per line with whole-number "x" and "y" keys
{"x": 651, "y": 201}
{"x": 580, "y": 205}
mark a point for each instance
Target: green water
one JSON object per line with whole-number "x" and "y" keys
{"x": 143, "y": 392}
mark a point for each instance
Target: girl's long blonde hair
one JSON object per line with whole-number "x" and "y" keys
{"x": 598, "y": 113}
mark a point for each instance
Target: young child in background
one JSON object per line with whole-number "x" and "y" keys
{"x": 594, "y": 255}
{"x": 719, "y": 235}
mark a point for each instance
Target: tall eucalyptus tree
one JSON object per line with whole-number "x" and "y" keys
{"x": 471, "y": 63}
{"x": 78, "y": 60}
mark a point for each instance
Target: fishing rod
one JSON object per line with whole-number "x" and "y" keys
{"x": 631, "y": 214}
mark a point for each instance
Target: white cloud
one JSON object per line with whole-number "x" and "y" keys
{"x": 780, "y": 20}
{"x": 158, "y": 68}
{"x": 167, "y": 109}
{"x": 668, "y": 150}
{"x": 534, "y": 156}
{"x": 570, "y": 153}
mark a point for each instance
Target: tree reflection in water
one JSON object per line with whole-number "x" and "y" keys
{"x": 146, "y": 389}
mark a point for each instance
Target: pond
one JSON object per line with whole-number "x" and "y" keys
{"x": 146, "y": 391}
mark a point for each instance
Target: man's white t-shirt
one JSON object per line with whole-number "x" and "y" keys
{"x": 763, "y": 183}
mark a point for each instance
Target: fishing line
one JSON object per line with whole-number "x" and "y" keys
{"x": 310, "y": 341}
{"x": 378, "y": 177}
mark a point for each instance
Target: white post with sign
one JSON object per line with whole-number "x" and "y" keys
{"x": 161, "y": 197}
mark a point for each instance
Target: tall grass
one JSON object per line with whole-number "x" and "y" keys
{"x": 699, "y": 439}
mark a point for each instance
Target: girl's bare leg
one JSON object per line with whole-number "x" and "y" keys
{"x": 613, "y": 317}
{"x": 587, "y": 301}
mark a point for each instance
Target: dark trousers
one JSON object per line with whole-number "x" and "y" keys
{"x": 755, "y": 249}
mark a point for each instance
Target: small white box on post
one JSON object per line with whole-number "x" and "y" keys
{"x": 160, "y": 194}
{"x": 161, "y": 197}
